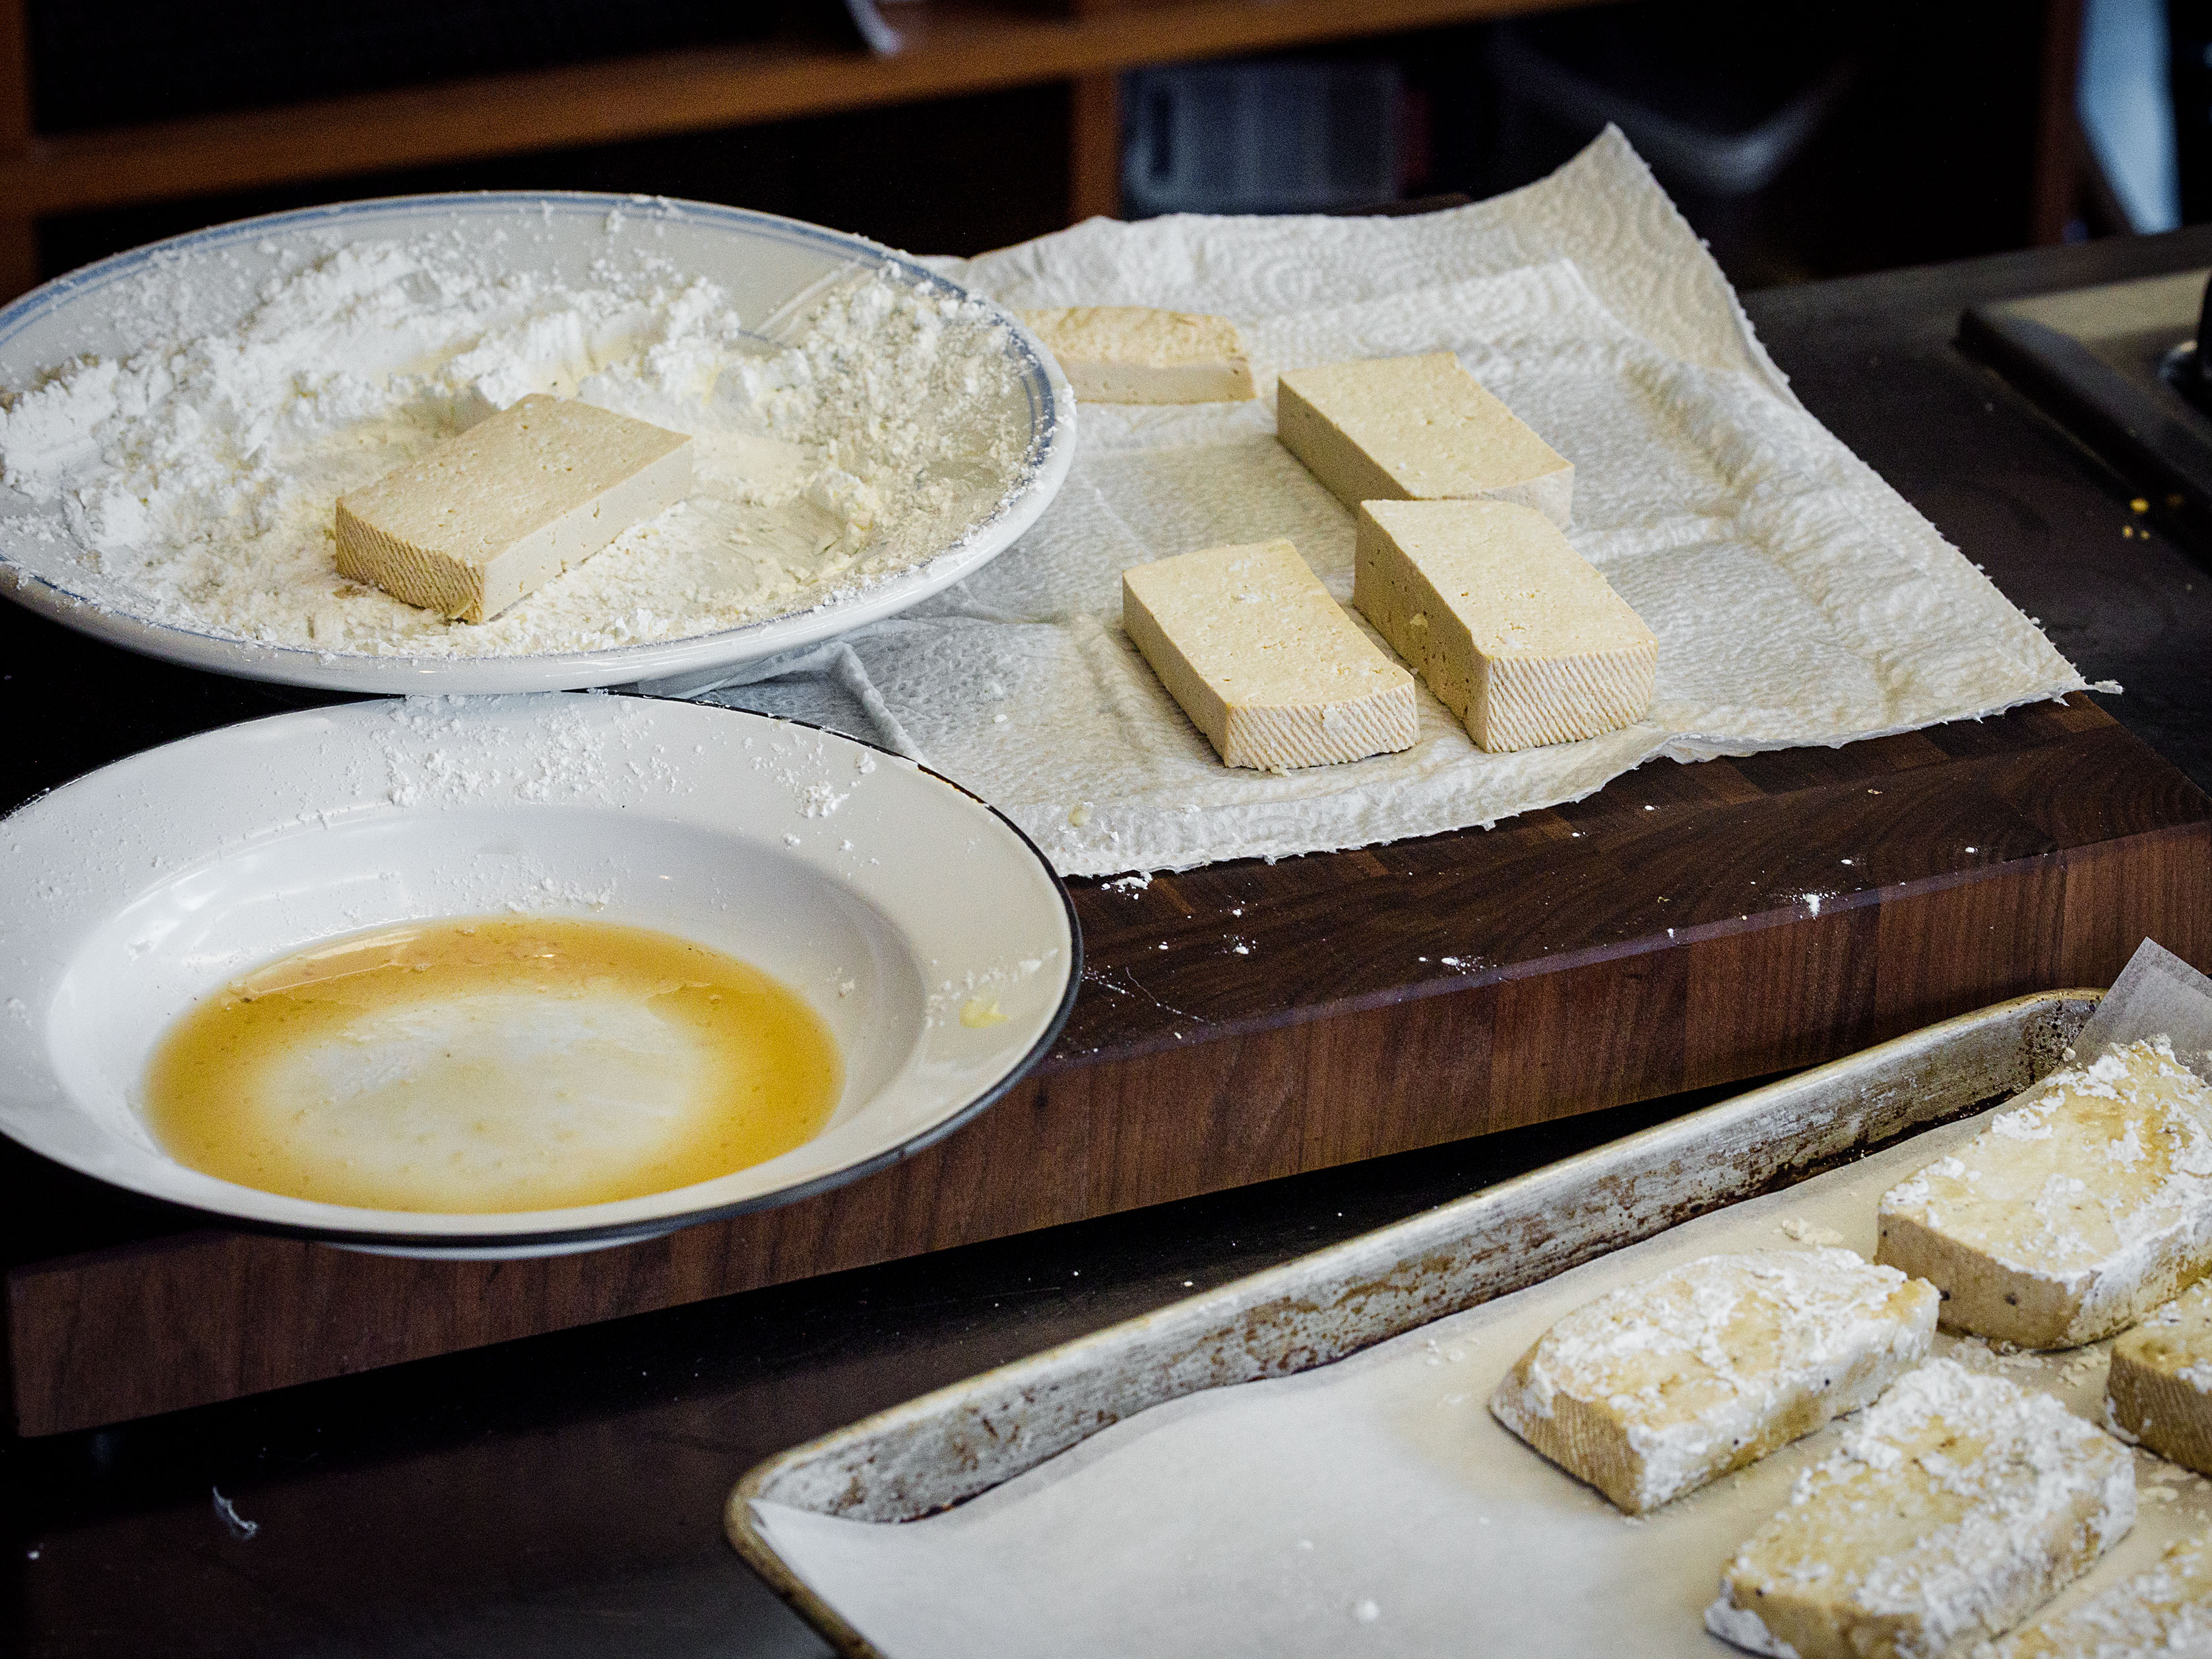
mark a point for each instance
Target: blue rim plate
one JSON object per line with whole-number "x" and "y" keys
{"x": 929, "y": 934}
{"x": 762, "y": 258}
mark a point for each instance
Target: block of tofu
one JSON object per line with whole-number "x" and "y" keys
{"x": 1516, "y": 632}
{"x": 2082, "y": 1205}
{"x": 1263, "y": 660}
{"x": 1417, "y": 429}
{"x": 494, "y": 511}
{"x": 1957, "y": 1505}
{"x": 2165, "y": 1610}
{"x": 1136, "y": 355}
{"x": 2160, "y": 1387}
{"x": 1655, "y": 1389}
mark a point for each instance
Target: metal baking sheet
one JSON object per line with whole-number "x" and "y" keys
{"x": 1375, "y": 1501}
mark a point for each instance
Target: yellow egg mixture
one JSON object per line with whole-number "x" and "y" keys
{"x": 492, "y": 1064}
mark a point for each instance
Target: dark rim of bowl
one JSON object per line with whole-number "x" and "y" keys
{"x": 449, "y": 1244}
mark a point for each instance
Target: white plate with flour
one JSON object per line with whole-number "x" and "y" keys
{"x": 177, "y": 422}
{"x": 928, "y": 934}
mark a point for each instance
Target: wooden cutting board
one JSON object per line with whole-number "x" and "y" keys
{"x": 1688, "y": 926}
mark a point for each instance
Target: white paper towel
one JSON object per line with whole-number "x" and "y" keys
{"x": 1796, "y": 597}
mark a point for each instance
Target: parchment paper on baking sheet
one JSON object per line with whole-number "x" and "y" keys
{"x": 1796, "y": 596}
{"x": 1373, "y": 1505}
{"x": 2157, "y": 995}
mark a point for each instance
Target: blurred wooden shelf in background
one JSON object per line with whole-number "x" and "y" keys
{"x": 951, "y": 48}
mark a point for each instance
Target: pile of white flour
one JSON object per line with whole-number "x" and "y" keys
{"x": 195, "y": 482}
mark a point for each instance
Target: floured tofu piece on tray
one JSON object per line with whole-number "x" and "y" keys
{"x": 1958, "y": 1505}
{"x": 2166, "y": 1610}
{"x": 1657, "y": 1388}
{"x": 2079, "y": 1209}
{"x": 2160, "y": 1387}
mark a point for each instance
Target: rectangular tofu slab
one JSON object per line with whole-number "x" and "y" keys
{"x": 1136, "y": 355}
{"x": 1263, "y": 660}
{"x": 494, "y": 513}
{"x": 2166, "y": 1610}
{"x": 1958, "y": 1505}
{"x": 1516, "y": 632}
{"x": 2160, "y": 1387}
{"x": 1417, "y": 429}
{"x": 1655, "y": 1389}
{"x": 2081, "y": 1206}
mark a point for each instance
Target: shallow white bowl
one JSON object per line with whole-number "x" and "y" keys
{"x": 884, "y": 894}
{"x": 761, "y": 259}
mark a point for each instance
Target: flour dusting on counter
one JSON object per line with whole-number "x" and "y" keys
{"x": 196, "y": 479}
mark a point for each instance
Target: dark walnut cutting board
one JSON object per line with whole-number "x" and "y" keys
{"x": 1688, "y": 926}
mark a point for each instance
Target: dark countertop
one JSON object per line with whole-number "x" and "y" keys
{"x": 1872, "y": 356}
{"x": 561, "y": 1495}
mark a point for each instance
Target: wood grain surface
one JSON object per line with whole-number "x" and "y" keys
{"x": 19, "y": 236}
{"x": 953, "y": 47}
{"x": 1685, "y": 926}
{"x": 1094, "y": 147}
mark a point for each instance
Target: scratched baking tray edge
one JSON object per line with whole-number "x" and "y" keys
{"x": 957, "y": 1443}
